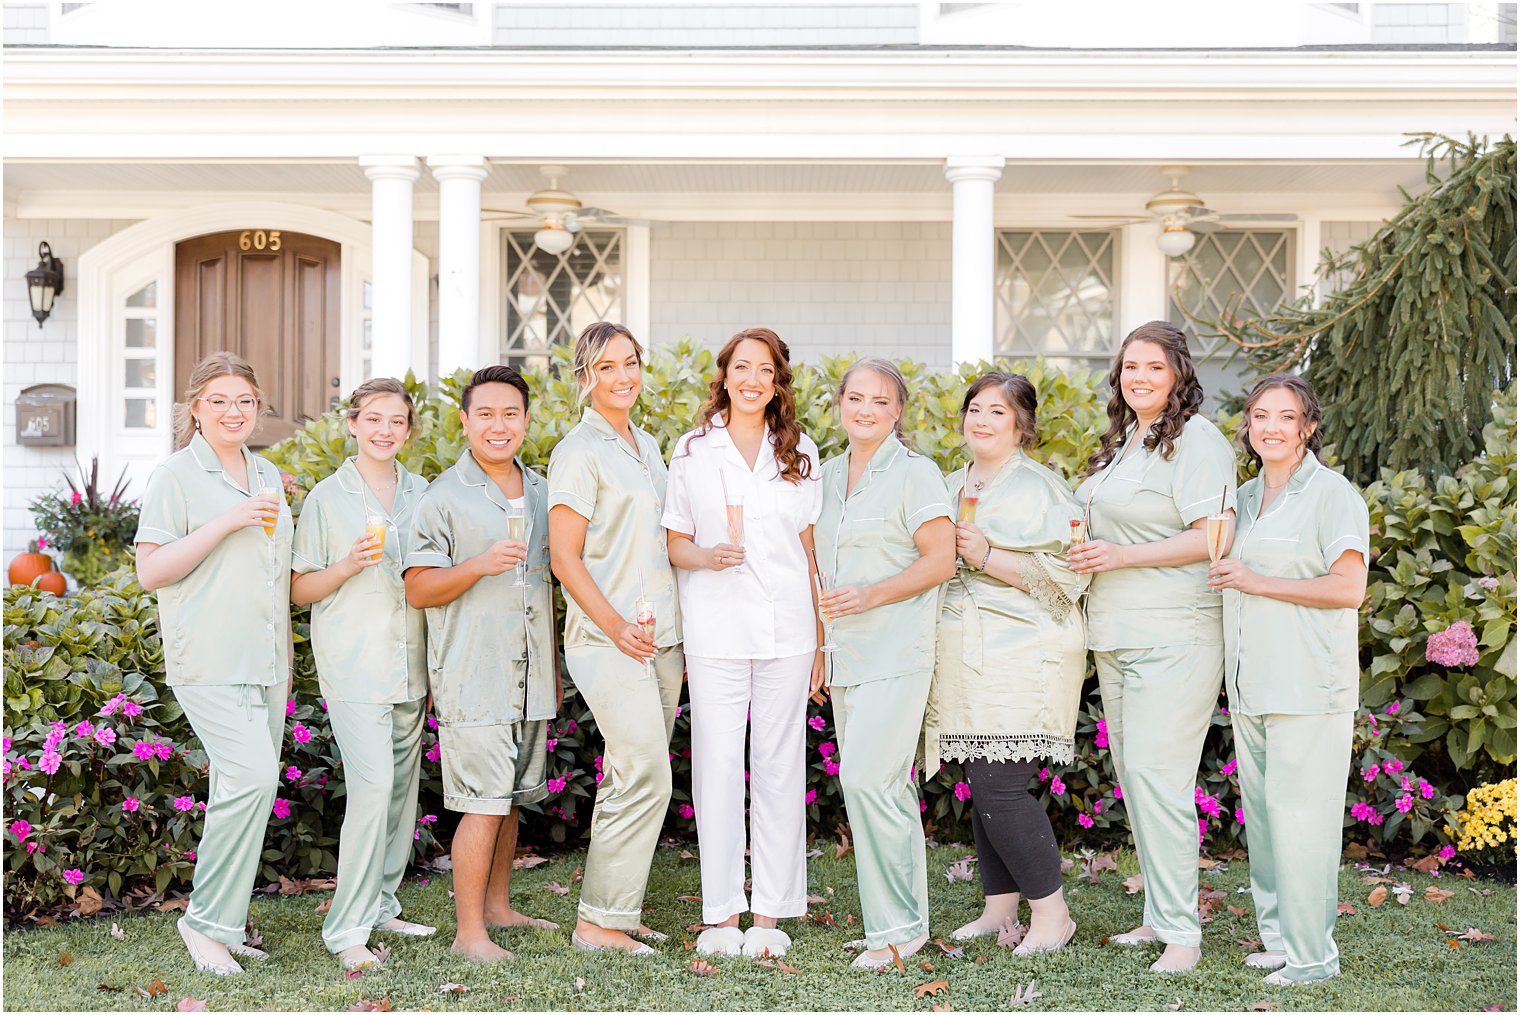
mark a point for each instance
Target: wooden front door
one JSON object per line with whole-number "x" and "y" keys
{"x": 272, "y": 297}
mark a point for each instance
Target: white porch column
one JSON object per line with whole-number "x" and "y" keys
{"x": 459, "y": 178}
{"x": 391, "y": 178}
{"x": 973, "y": 256}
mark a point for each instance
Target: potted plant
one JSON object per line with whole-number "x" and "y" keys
{"x": 94, "y": 533}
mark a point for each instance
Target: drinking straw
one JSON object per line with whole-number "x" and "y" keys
{"x": 723, "y": 478}
{"x": 1223, "y": 494}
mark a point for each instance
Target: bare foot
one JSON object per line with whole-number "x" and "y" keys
{"x": 600, "y": 937}
{"x": 512, "y": 918}
{"x": 878, "y": 958}
{"x": 480, "y": 950}
{"x": 358, "y": 957}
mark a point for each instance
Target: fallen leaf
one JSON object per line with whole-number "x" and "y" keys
{"x": 960, "y": 870}
{"x": 816, "y": 900}
{"x": 1345, "y": 909}
{"x": 1237, "y": 911}
{"x": 897, "y": 959}
{"x": 1025, "y": 995}
{"x": 382, "y": 953}
{"x": 556, "y": 888}
{"x": 953, "y": 951}
{"x": 980, "y": 958}
{"x": 445, "y": 863}
{"x": 1067, "y": 865}
{"x": 932, "y": 987}
{"x": 89, "y": 901}
{"x": 926, "y": 966}
{"x": 1428, "y": 864}
{"x": 65, "y": 958}
{"x": 1205, "y": 864}
{"x": 1453, "y": 942}
{"x": 190, "y": 1004}
{"x": 701, "y": 967}
{"x": 1480, "y": 891}
{"x": 528, "y": 862}
{"x": 1233, "y": 854}
{"x": 1134, "y": 884}
{"x": 777, "y": 964}
{"x": 118, "y": 933}
{"x": 1475, "y": 935}
{"x": 580, "y": 984}
{"x": 453, "y": 988}
{"x": 687, "y": 854}
{"x": 1176, "y": 1005}
{"x": 353, "y": 974}
{"x": 251, "y": 937}
{"x": 324, "y": 906}
{"x": 1494, "y": 1007}
{"x": 1444, "y": 929}
{"x": 1372, "y": 879}
{"x": 156, "y": 988}
{"x": 1467, "y": 874}
{"x": 1402, "y": 893}
{"x": 575, "y": 876}
{"x": 1250, "y": 944}
{"x": 812, "y": 853}
{"x": 169, "y": 905}
{"x": 1437, "y": 895}
{"x": 384, "y": 1004}
{"x": 840, "y": 852}
{"x": 1377, "y": 896}
{"x": 109, "y": 988}
{"x": 688, "y": 898}
{"x": 1354, "y": 851}
{"x": 1010, "y": 934}
{"x": 1094, "y": 865}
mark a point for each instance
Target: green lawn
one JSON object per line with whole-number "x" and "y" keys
{"x": 1393, "y": 957}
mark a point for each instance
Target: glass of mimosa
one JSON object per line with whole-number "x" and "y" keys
{"x": 822, "y": 582}
{"x": 967, "y": 512}
{"x": 517, "y": 525}
{"x": 374, "y": 528}
{"x": 265, "y": 490}
{"x": 1214, "y": 529}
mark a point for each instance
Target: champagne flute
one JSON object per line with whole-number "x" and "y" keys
{"x": 823, "y": 582}
{"x": 1214, "y": 529}
{"x": 374, "y": 527}
{"x": 643, "y": 616}
{"x": 516, "y": 531}
{"x": 265, "y": 490}
{"x": 733, "y": 503}
{"x": 967, "y": 512}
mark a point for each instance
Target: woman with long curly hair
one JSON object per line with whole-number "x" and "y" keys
{"x": 1153, "y": 625}
{"x": 751, "y": 635}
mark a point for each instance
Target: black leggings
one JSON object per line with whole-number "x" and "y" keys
{"x": 1015, "y": 847}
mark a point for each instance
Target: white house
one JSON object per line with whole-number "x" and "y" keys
{"x": 341, "y": 189}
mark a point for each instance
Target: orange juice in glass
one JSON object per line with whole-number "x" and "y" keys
{"x": 265, "y": 490}
{"x": 374, "y": 528}
{"x": 967, "y": 511}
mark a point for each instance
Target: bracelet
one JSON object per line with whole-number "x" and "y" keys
{"x": 986, "y": 557}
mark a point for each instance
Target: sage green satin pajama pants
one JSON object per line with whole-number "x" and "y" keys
{"x": 240, "y": 727}
{"x": 1157, "y": 703}
{"x": 1293, "y": 771}
{"x": 636, "y": 714}
{"x": 381, "y": 746}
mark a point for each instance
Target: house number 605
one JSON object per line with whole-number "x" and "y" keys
{"x": 259, "y": 239}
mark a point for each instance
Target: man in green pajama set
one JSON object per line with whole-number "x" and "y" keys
{"x": 226, "y": 640}
{"x": 492, "y": 662}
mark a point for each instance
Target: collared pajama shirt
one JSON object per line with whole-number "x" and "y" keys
{"x": 1283, "y": 658}
{"x": 766, "y": 610}
{"x": 228, "y": 620}
{"x": 866, "y": 538}
{"x": 491, "y": 651}
{"x": 621, "y": 495}
{"x": 1144, "y": 498}
{"x": 370, "y": 646}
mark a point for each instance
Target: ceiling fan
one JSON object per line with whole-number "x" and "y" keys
{"x": 1183, "y": 214}
{"x": 560, "y": 212}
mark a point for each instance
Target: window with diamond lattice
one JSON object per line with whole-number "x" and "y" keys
{"x": 1055, "y": 296}
{"x": 1256, "y": 266}
{"x": 551, "y": 297}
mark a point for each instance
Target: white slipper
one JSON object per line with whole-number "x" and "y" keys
{"x": 358, "y": 957}
{"x": 248, "y": 951}
{"x": 1270, "y": 959}
{"x": 1281, "y": 979}
{"x": 962, "y": 934}
{"x": 1025, "y": 950}
{"x": 649, "y": 935}
{"x": 581, "y": 944}
{"x": 1131, "y": 937}
{"x": 396, "y": 925}
{"x": 721, "y": 941}
{"x": 760, "y": 941}
{"x": 206, "y": 962}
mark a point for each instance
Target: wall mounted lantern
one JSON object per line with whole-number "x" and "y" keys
{"x": 44, "y": 282}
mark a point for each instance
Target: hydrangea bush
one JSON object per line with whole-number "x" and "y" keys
{"x": 126, "y": 814}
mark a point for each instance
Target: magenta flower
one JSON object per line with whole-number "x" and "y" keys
{"x": 35, "y": 847}
{"x": 1240, "y": 815}
{"x": 1084, "y": 820}
{"x": 190, "y": 855}
{"x": 131, "y": 709}
{"x": 963, "y": 791}
{"x": 1057, "y": 787}
{"x": 1370, "y": 773}
{"x": 551, "y": 744}
{"x": 7, "y": 745}
{"x": 1229, "y": 767}
{"x": 433, "y": 752}
{"x": 1118, "y": 792}
{"x": 1044, "y": 774}
{"x": 21, "y": 829}
{"x": 300, "y": 733}
{"x": 184, "y": 803}
{"x": 556, "y": 785}
{"x": 572, "y": 726}
{"x": 827, "y": 748}
{"x": 83, "y": 729}
{"x": 1375, "y": 818}
{"x": 1102, "y": 738}
{"x": 686, "y": 811}
{"x": 830, "y": 766}
{"x": 1426, "y": 790}
{"x": 105, "y": 736}
{"x": 163, "y": 750}
{"x": 1097, "y": 806}
{"x": 131, "y": 804}
{"x": 142, "y": 750}
{"x": 23, "y": 764}
{"x": 678, "y": 713}
{"x": 1455, "y": 646}
{"x": 1405, "y": 803}
{"x": 923, "y": 805}
{"x": 1392, "y": 709}
{"x": 817, "y": 722}
{"x": 1406, "y": 784}
{"x": 1362, "y": 811}
{"x": 290, "y": 706}
{"x": 1203, "y": 826}
{"x": 292, "y": 773}
{"x": 76, "y": 498}
{"x": 811, "y": 797}
{"x": 110, "y": 707}
{"x": 599, "y": 778}
{"x": 51, "y": 741}
{"x": 427, "y": 819}
{"x": 73, "y": 876}
{"x": 5, "y": 768}
{"x": 1447, "y": 852}
{"x": 281, "y": 808}
{"x": 50, "y": 761}
{"x": 1393, "y": 766}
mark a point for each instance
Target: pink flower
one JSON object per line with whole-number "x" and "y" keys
{"x": 21, "y": 829}
{"x": 1097, "y": 806}
{"x": 1102, "y": 738}
{"x": 1487, "y": 581}
{"x": 50, "y": 762}
{"x": 51, "y": 741}
{"x": 281, "y": 808}
{"x": 923, "y": 805}
{"x": 811, "y": 797}
{"x": 83, "y": 729}
{"x": 1370, "y": 773}
{"x": 142, "y": 750}
{"x": 184, "y": 803}
{"x": 42, "y": 544}
{"x": 1404, "y": 803}
{"x": 76, "y": 498}
{"x": 1240, "y": 815}
{"x": 1084, "y": 820}
{"x": 817, "y": 722}
{"x": 686, "y": 811}
{"x": 556, "y": 785}
{"x": 427, "y": 819}
{"x": 1405, "y": 784}
{"x": 131, "y": 804}
{"x": 292, "y": 773}
{"x": 433, "y": 753}
{"x": 1393, "y": 766}
{"x": 432, "y": 722}
{"x": 830, "y": 766}
{"x": 1447, "y": 852}
{"x": 5, "y": 768}
{"x": 572, "y": 726}
{"x": 110, "y": 707}
{"x": 131, "y": 709}
{"x": 35, "y": 847}
{"x": 1362, "y": 811}
{"x": 1375, "y": 818}
{"x": 597, "y": 764}
{"x": 1118, "y": 792}
{"x": 105, "y": 736}
{"x": 163, "y": 750}
{"x": 551, "y": 744}
{"x": 73, "y": 876}
{"x": 599, "y": 778}
{"x": 1426, "y": 790}
{"x": 190, "y": 855}
{"x": 1057, "y": 787}
{"x": 963, "y": 791}
{"x": 1455, "y": 646}
{"x": 1229, "y": 767}
{"x": 1203, "y": 827}
{"x": 1044, "y": 774}
{"x": 290, "y": 706}
{"x": 7, "y": 745}
{"x": 1210, "y": 806}
{"x": 678, "y": 713}
{"x": 1392, "y": 709}
{"x": 23, "y": 764}
{"x": 301, "y": 734}
{"x": 827, "y": 748}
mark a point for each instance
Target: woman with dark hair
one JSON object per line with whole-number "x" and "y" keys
{"x": 1292, "y": 585}
{"x": 214, "y": 541}
{"x": 886, "y": 543}
{"x": 622, "y": 627}
{"x": 751, "y": 636}
{"x": 1011, "y": 657}
{"x": 1161, "y": 483}
{"x": 350, "y": 542}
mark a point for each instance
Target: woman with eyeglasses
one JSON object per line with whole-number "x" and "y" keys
{"x": 214, "y": 540}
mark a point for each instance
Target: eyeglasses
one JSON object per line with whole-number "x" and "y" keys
{"x": 245, "y": 405}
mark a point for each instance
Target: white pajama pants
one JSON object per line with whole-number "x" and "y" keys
{"x": 770, "y": 697}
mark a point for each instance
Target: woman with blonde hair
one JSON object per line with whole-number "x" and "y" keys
{"x": 214, "y": 541}
{"x": 885, "y": 546}
{"x": 751, "y": 636}
{"x": 370, "y": 648}
{"x": 622, "y": 627}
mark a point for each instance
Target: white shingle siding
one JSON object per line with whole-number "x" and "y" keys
{"x": 26, "y": 24}
{"x": 1341, "y": 237}
{"x": 553, "y": 26}
{"x": 825, "y": 287}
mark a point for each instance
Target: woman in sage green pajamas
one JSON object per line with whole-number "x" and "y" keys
{"x": 1153, "y": 625}
{"x": 1292, "y": 585}
{"x": 887, "y": 544}
{"x": 371, "y": 664}
{"x": 607, "y": 547}
{"x": 214, "y": 540}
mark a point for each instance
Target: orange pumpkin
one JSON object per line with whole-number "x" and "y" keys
{"x": 53, "y": 582}
{"x": 25, "y": 567}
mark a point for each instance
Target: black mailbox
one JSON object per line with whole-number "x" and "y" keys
{"x": 45, "y": 415}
